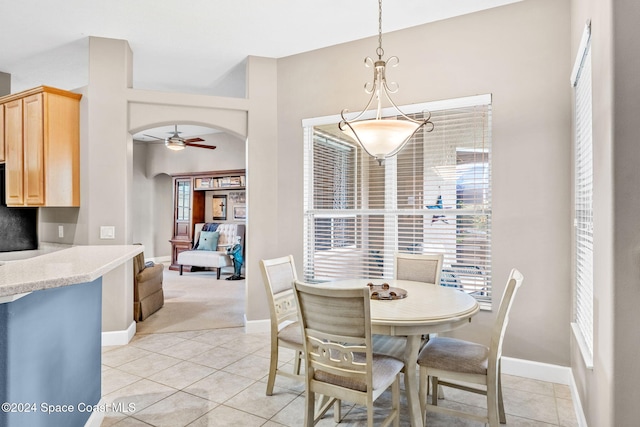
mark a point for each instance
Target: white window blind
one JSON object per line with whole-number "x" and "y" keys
{"x": 583, "y": 199}
{"x": 433, "y": 197}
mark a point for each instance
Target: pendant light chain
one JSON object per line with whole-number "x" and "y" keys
{"x": 379, "y": 137}
{"x": 380, "y": 50}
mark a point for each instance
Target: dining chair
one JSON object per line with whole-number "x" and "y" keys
{"x": 468, "y": 362}
{"x": 279, "y": 275}
{"x": 418, "y": 267}
{"x": 339, "y": 359}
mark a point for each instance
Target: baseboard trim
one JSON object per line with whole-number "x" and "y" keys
{"x": 549, "y": 373}
{"x": 256, "y": 326}
{"x": 577, "y": 403}
{"x": 96, "y": 418}
{"x": 536, "y": 370}
{"x": 160, "y": 259}
{"x": 119, "y": 337}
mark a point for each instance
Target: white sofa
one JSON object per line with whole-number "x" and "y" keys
{"x": 229, "y": 235}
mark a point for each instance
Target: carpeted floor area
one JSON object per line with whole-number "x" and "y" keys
{"x": 197, "y": 301}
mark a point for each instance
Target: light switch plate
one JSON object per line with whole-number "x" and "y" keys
{"x": 107, "y": 232}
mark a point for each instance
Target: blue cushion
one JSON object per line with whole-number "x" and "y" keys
{"x": 208, "y": 241}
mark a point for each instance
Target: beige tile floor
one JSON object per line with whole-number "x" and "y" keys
{"x": 217, "y": 377}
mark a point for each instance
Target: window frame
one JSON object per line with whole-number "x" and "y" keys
{"x": 390, "y": 227}
{"x": 583, "y": 244}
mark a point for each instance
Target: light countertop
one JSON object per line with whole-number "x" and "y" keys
{"x": 77, "y": 264}
{"x": 43, "y": 248}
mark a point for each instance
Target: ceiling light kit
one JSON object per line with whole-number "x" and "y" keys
{"x": 382, "y": 138}
{"x": 176, "y": 143}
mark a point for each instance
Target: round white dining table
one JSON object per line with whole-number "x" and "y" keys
{"x": 427, "y": 309}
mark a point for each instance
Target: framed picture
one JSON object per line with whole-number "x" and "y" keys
{"x": 240, "y": 212}
{"x": 219, "y": 205}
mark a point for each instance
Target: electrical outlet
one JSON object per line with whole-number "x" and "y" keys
{"x": 61, "y": 231}
{"x": 107, "y": 232}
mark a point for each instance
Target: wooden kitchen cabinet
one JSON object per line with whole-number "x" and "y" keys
{"x": 42, "y": 147}
{"x": 2, "y": 134}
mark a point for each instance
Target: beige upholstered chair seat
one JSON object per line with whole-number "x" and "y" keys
{"x": 217, "y": 259}
{"x": 385, "y": 369}
{"x": 450, "y": 354}
{"x": 291, "y": 334}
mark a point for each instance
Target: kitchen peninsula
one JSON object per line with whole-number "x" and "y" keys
{"x": 50, "y": 334}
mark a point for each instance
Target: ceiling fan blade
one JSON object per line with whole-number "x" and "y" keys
{"x": 194, "y": 140}
{"x": 191, "y": 144}
{"x": 151, "y": 136}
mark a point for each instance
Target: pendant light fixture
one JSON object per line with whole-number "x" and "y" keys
{"x": 382, "y": 138}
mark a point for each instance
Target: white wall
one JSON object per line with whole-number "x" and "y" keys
{"x": 520, "y": 54}
{"x": 608, "y": 392}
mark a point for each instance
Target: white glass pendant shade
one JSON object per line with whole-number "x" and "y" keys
{"x": 382, "y": 138}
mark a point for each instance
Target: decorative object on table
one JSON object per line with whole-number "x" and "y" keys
{"x": 382, "y": 138}
{"x": 219, "y": 204}
{"x": 235, "y": 253}
{"x": 386, "y": 292}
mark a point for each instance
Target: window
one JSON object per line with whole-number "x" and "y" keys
{"x": 333, "y": 189}
{"x": 583, "y": 200}
{"x": 433, "y": 197}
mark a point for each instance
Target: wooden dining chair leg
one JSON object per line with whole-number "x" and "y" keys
{"x": 337, "y": 411}
{"x": 503, "y": 418}
{"x": 322, "y": 405}
{"x": 296, "y": 363}
{"x": 492, "y": 403}
{"x": 309, "y": 414}
{"x": 434, "y": 391}
{"x": 273, "y": 366}
{"x": 395, "y": 401}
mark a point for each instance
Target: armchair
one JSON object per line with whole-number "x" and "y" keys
{"x": 147, "y": 288}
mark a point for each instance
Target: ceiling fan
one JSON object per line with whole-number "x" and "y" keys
{"x": 175, "y": 142}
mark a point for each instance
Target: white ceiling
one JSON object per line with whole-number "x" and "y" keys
{"x": 189, "y": 46}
